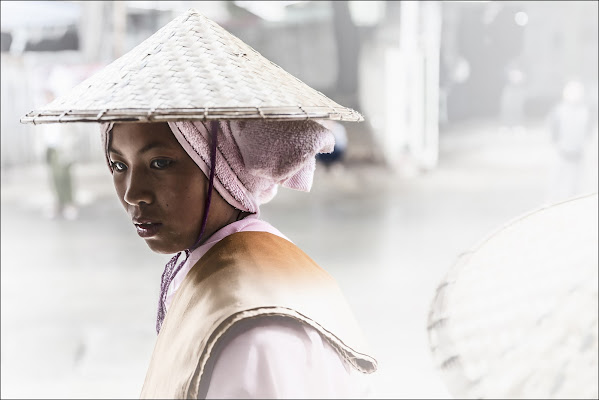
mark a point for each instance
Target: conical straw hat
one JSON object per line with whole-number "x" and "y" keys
{"x": 191, "y": 69}
{"x": 516, "y": 317}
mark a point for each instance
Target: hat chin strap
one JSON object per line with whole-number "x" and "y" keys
{"x": 170, "y": 271}
{"x": 214, "y": 136}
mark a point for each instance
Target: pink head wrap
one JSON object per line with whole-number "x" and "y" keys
{"x": 254, "y": 157}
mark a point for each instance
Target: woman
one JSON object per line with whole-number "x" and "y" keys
{"x": 243, "y": 312}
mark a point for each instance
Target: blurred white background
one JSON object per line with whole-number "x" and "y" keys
{"x": 475, "y": 113}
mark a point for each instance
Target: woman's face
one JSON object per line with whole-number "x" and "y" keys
{"x": 159, "y": 185}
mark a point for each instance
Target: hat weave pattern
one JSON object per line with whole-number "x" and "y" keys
{"x": 191, "y": 69}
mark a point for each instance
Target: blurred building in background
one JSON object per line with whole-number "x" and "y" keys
{"x": 491, "y": 46}
{"x": 410, "y": 67}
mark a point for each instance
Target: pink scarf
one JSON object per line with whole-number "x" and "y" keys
{"x": 254, "y": 157}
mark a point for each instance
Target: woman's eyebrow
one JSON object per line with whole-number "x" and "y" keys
{"x": 144, "y": 149}
{"x": 112, "y": 150}
{"x": 151, "y": 146}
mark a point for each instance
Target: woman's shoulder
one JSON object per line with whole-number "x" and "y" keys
{"x": 268, "y": 334}
{"x": 280, "y": 357}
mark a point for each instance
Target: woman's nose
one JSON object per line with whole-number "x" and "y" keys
{"x": 138, "y": 189}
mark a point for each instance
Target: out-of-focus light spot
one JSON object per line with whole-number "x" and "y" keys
{"x": 268, "y": 10}
{"x": 573, "y": 92}
{"x": 515, "y": 76}
{"x": 461, "y": 71}
{"x": 367, "y": 13}
{"x": 521, "y": 18}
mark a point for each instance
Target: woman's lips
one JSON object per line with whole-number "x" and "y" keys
{"x": 147, "y": 230}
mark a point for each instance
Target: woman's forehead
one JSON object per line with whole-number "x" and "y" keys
{"x": 141, "y": 135}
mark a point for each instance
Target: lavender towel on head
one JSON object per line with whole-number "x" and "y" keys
{"x": 254, "y": 157}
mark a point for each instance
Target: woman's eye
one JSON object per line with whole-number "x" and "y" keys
{"x": 161, "y": 163}
{"x": 118, "y": 166}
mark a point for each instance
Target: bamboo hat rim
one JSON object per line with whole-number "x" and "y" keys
{"x": 190, "y": 69}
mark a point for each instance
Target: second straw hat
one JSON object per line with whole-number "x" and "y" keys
{"x": 191, "y": 69}
{"x": 516, "y": 316}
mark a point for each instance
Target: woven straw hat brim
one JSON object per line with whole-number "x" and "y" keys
{"x": 191, "y": 69}
{"x": 516, "y": 317}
